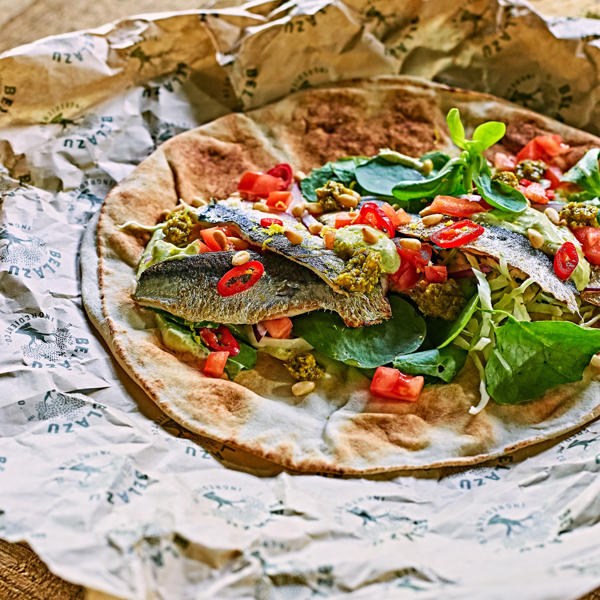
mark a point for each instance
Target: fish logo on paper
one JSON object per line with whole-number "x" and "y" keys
{"x": 144, "y": 59}
{"x": 26, "y": 255}
{"x": 580, "y": 445}
{"x": 385, "y": 522}
{"x": 86, "y": 199}
{"x": 43, "y": 343}
{"x": 513, "y": 526}
{"x": 55, "y": 405}
{"x": 238, "y": 507}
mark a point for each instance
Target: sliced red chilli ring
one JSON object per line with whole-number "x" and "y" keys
{"x": 240, "y": 278}
{"x": 220, "y": 339}
{"x": 457, "y": 234}
{"x": 268, "y": 222}
{"x": 282, "y": 171}
{"x": 371, "y": 214}
{"x": 566, "y": 261}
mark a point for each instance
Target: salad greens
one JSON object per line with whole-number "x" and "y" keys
{"x": 443, "y": 364}
{"x": 341, "y": 170}
{"x": 367, "y": 346}
{"x": 378, "y": 176}
{"x": 532, "y": 357}
{"x": 586, "y": 174}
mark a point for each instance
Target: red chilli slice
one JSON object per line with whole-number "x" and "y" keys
{"x": 457, "y": 234}
{"x": 282, "y": 171}
{"x": 220, "y": 339}
{"x": 371, "y": 214}
{"x": 267, "y": 222}
{"x": 566, "y": 260}
{"x": 240, "y": 278}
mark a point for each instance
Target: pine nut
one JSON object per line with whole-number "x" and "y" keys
{"x": 315, "y": 228}
{"x": 295, "y": 237}
{"x": 298, "y": 210}
{"x": 314, "y": 208}
{"x": 427, "y": 211}
{"x": 240, "y": 258}
{"x": 260, "y": 206}
{"x": 303, "y": 387}
{"x": 410, "y": 243}
{"x": 431, "y": 220}
{"x": 299, "y": 175}
{"x": 552, "y": 215}
{"x": 347, "y": 201}
{"x": 238, "y": 244}
{"x": 595, "y": 362}
{"x": 427, "y": 166}
{"x": 221, "y": 239}
{"x": 198, "y": 201}
{"x": 329, "y": 239}
{"x": 536, "y": 239}
{"x": 369, "y": 236}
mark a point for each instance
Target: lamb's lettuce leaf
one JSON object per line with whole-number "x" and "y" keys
{"x": 442, "y": 364}
{"x": 586, "y": 173}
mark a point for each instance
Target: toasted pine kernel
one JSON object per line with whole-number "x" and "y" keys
{"x": 294, "y": 237}
{"x": 298, "y": 210}
{"x": 329, "y": 239}
{"x": 552, "y": 215}
{"x": 315, "y": 228}
{"x": 240, "y": 258}
{"x": 368, "y": 236}
{"x": 431, "y": 220}
{"x": 410, "y": 243}
{"x": 260, "y": 206}
{"x": 237, "y": 243}
{"x": 314, "y": 208}
{"x": 347, "y": 201}
{"x": 427, "y": 211}
{"x": 536, "y": 239}
{"x": 595, "y": 362}
{"x": 198, "y": 201}
{"x": 301, "y": 388}
{"x": 221, "y": 239}
{"x": 299, "y": 175}
{"x": 427, "y": 166}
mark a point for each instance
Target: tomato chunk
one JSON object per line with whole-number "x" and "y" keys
{"x": 344, "y": 219}
{"x": 504, "y": 162}
{"x": 554, "y": 175}
{"x": 279, "y": 200}
{"x": 394, "y": 385}
{"x": 254, "y": 185}
{"x": 543, "y": 147}
{"x": 436, "y": 273}
{"x": 455, "y": 207}
{"x": 589, "y": 238}
{"x": 215, "y": 364}
{"x": 407, "y": 276}
{"x": 536, "y": 193}
{"x": 391, "y": 214}
{"x": 278, "y": 328}
{"x": 417, "y": 258}
{"x": 403, "y": 217}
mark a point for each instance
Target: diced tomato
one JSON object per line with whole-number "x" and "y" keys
{"x": 215, "y": 364}
{"x": 525, "y": 182}
{"x": 403, "y": 217}
{"x": 553, "y": 174}
{"x": 504, "y": 162}
{"x": 566, "y": 260}
{"x": 589, "y": 238}
{"x": 455, "y": 207}
{"x": 208, "y": 235}
{"x": 278, "y": 328}
{"x": 543, "y": 147}
{"x": 394, "y": 385}
{"x": 391, "y": 214}
{"x": 550, "y": 194}
{"x": 405, "y": 278}
{"x": 344, "y": 219}
{"x": 279, "y": 200}
{"x": 436, "y": 273}
{"x": 417, "y": 258}
{"x": 259, "y": 185}
{"x": 202, "y": 247}
{"x": 536, "y": 193}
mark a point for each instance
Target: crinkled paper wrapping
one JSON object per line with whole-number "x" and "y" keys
{"x": 115, "y": 496}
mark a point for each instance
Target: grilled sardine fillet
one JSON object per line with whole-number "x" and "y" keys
{"x": 311, "y": 253}
{"x": 187, "y": 288}
{"x": 516, "y": 250}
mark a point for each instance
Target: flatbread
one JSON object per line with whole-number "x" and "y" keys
{"x": 339, "y": 428}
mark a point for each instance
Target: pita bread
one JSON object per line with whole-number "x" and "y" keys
{"x": 339, "y": 428}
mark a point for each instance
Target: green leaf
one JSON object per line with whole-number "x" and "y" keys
{"x": 445, "y": 334}
{"x": 378, "y": 176}
{"x": 364, "y": 346}
{"x": 532, "y": 357}
{"x": 457, "y": 130}
{"x": 447, "y": 182}
{"x": 487, "y": 134}
{"x": 499, "y": 194}
{"x": 443, "y": 364}
{"x": 586, "y": 173}
{"x": 341, "y": 170}
{"x": 246, "y": 359}
{"x": 439, "y": 159}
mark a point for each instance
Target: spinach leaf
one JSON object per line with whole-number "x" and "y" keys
{"x": 498, "y": 194}
{"x": 364, "y": 346}
{"x": 439, "y": 159}
{"x": 447, "y": 182}
{"x": 532, "y": 357}
{"x": 586, "y": 173}
{"x": 378, "y": 176}
{"x": 341, "y": 170}
{"x": 448, "y": 330}
{"x": 443, "y": 364}
{"x": 246, "y": 359}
